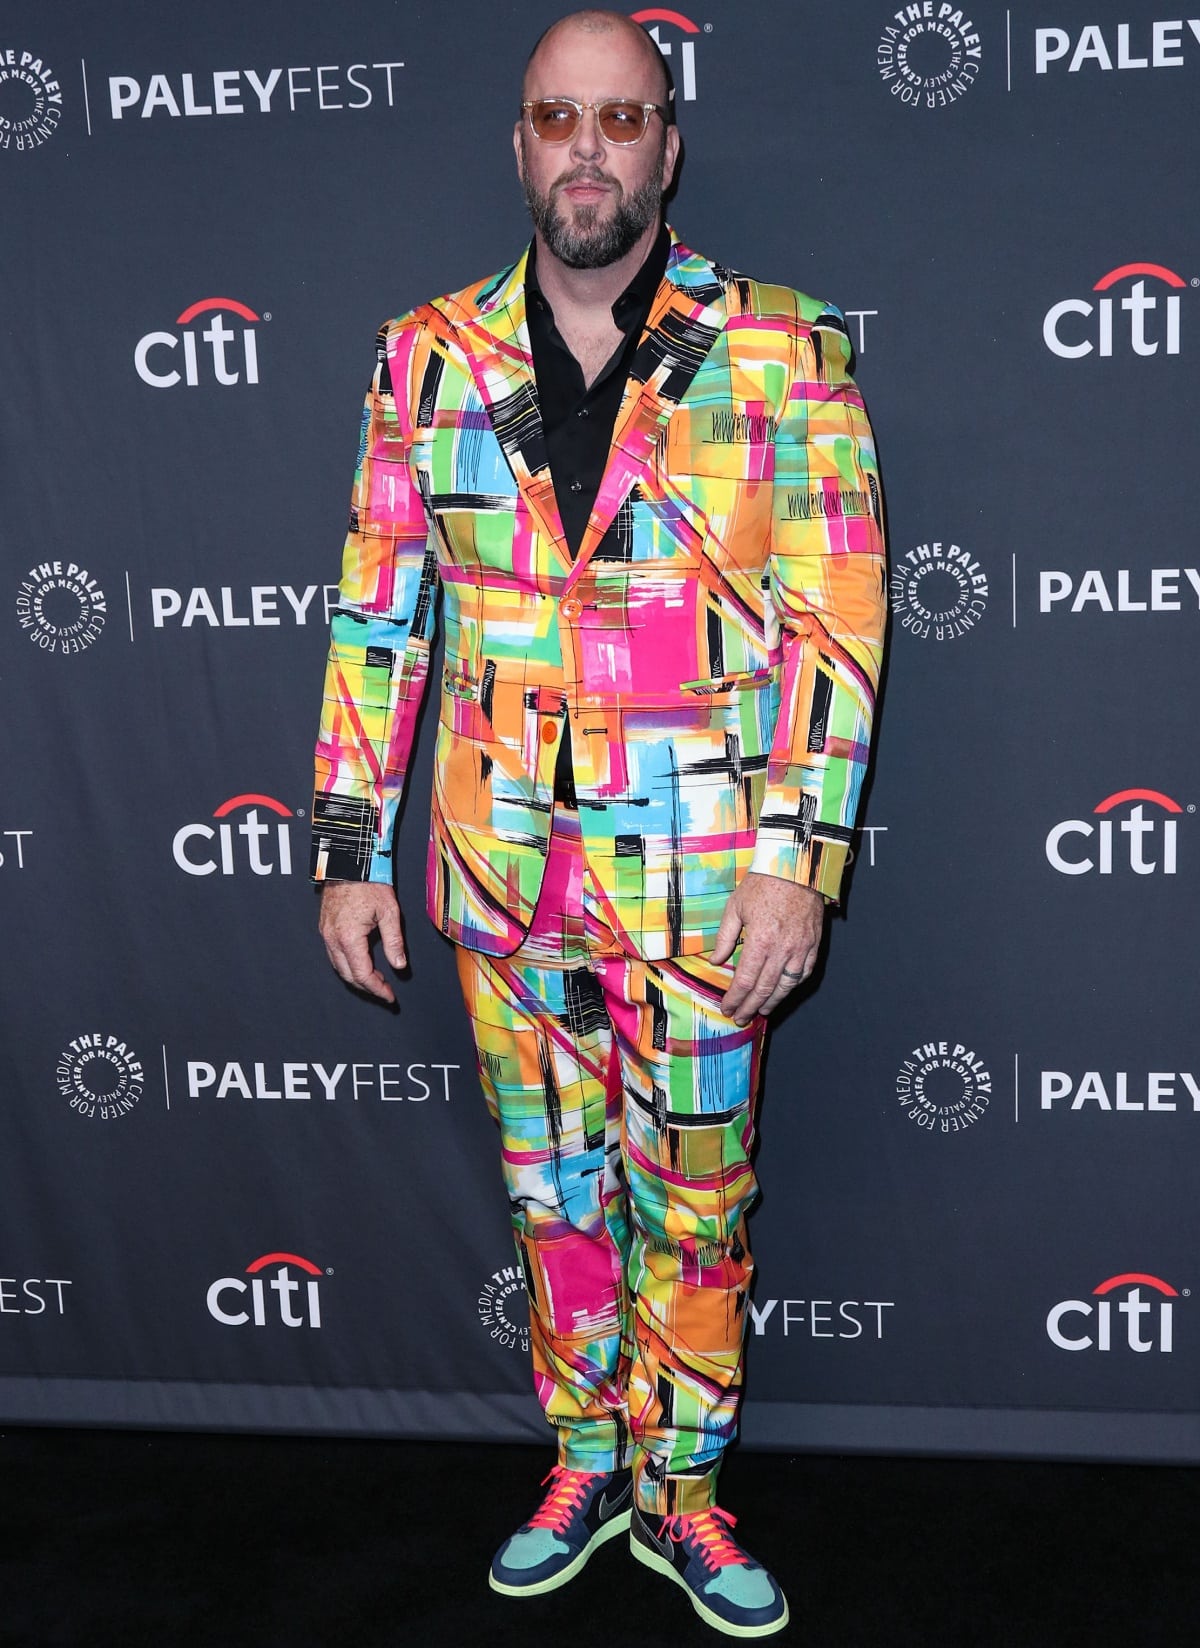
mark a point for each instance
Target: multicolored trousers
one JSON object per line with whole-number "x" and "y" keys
{"x": 625, "y": 1101}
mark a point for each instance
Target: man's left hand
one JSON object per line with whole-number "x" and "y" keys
{"x": 781, "y": 923}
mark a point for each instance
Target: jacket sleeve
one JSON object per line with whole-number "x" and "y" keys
{"x": 379, "y": 640}
{"x": 827, "y": 595}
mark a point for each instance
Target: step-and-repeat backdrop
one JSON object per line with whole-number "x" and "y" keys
{"x": 232, "y": 1194}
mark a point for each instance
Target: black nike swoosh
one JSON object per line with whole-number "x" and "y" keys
{"x": 664, "y": 1547}
{"x": 609, "y": 1506}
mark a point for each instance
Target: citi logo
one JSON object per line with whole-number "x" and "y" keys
{"x": 227, "y": 1299}
{"x": 226, "y": 366}
{"x": 1148, "y": 328}
{"x": 1157, "y": 45}
{"x": 1077, "y": 846}
{"x": 258, "y": 845}
{"x": 683, "y": 70}
{"x": 1143, "y": 1331}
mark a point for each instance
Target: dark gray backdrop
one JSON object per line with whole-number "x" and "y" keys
{"x": 979, "y": 1221}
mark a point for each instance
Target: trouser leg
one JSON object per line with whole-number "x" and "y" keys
{"x": 691, "y": 1081}
{"x": 546, "y": 1063}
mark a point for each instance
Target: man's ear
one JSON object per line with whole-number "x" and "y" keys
{"x": 670, "y": 157}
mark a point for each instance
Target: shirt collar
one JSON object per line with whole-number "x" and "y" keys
{"x": 637, "y": 297}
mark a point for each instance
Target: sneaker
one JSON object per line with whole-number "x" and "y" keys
{"x": 729, "y": 1590}
{"x": 581, "y": 1511}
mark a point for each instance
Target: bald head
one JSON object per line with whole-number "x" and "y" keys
{"x": 597, "y": 24}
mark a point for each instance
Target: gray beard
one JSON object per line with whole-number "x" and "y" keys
{"x": 584, "y": 242}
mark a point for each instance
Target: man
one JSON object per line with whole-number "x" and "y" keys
{"x": 647, "y": 490}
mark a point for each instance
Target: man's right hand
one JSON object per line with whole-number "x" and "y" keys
{"x": 350, "y": 912}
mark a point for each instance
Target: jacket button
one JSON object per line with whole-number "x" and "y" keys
{"x": 549, "y": 731}
{"x": 571, "y": 607}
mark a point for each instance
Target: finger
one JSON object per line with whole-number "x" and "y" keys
{"x": 728, "y": 933}
{"x": 364, "y": 975}
{"x": 759, "y": 1000}
{"x": 392, "y": 935}
{"x": 379, "y": 987}
{"x": 783, "y": 989}
{"x": 352, "y": 962}
{"x": 374, "y": 984}
{"x": 739, "y": 1001}
{"x": 789, "y": 977}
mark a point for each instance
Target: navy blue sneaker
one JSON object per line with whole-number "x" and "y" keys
{"x": 581, "y": 1511}
{"x": 728, "y": 1589}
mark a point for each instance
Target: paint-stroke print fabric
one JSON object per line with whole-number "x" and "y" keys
{"x": 625, "y": 1100}
{"x": 712, "y": 652}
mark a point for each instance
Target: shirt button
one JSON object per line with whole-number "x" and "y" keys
{"x": 571, "y": 607}
{"x": 576, "y": 486}
{"x": 549, "y": 731}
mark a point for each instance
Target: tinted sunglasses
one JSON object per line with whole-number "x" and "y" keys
{"x": 557, "y": 119}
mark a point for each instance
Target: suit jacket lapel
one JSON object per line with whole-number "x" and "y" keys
{"x": 491, "y": 331}
{"x": 685, "y": 320}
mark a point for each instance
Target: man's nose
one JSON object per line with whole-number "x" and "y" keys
{"x": 587, "y": 144}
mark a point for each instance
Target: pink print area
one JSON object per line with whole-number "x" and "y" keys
{"x": 644, "y": 650}
{"x": 582, "y": 1279}
{"x": 394, "y": 500}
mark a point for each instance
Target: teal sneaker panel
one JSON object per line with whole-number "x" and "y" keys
{"x": 745, "y": 1587}
{"x": 528, "y": 1549}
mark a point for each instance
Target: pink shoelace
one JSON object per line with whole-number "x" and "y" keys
{"x": 709, "y": 1529}
{"x": 564, "y": 1499}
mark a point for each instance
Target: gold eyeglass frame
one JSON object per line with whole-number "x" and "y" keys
{"x": 604, "y": 103}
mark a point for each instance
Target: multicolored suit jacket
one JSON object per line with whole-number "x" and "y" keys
{"x": 712, "y": 652}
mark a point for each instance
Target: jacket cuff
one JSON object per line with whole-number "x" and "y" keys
{"x": 345, "y": 841}
{"x": 819, "y": 863}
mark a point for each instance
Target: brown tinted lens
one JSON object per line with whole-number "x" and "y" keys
{"x": 621, "y": 122}
{"x": 553, "y": 121}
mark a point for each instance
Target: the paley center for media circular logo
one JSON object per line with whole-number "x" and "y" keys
{"x": 943, "y": 1087}
{"x": 100, "y": 1076}
{"x": 31, "y": 102}
{"x": 939, "y": 591}
{"x": 929, "y": 54}
{"x": 61, "y": 607}
{"x": 504, "y": 1308}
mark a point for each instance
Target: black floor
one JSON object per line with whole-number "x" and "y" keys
{"x": 179, "y": 1541}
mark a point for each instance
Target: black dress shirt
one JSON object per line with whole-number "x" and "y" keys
{"x": 577, "y": 419}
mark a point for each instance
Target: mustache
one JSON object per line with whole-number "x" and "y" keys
{"x": 585, "y": 174}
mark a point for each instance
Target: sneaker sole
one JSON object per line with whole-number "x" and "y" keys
{"x": 618, "y": 1524}
{"x": 661, "y": 1566}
